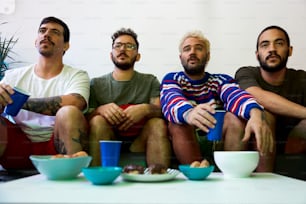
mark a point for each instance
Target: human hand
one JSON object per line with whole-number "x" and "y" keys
{"x": 5, "y": 94}
{"x": 113, "y": 114}
{"x": 134, "y": 114}
{"x": 263, "y": 134}
{"x": 201, "y": 116}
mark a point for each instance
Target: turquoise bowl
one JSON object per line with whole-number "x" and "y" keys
{"x": 196, "y": 173}
{"x": 99, "y": 175}
{"x": 60, "y": 168}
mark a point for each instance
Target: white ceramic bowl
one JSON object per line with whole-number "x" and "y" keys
{"x": 236, "y": 164}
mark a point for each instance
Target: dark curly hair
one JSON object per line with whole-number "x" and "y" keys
{"x": 125, "y": 31}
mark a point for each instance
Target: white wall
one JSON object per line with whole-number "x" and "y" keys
{"x": 232, "y": 27}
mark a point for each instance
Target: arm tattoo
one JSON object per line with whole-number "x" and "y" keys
{"x": 47, "y": 106}
{"x": 59, "y": 146}
{"x": 80, "y": 139}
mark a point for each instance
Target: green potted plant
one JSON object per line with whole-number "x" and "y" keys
{"x": 6, "y": 52}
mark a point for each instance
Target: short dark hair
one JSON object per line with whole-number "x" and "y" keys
{"x": 270, "y": 28}
{"x": 125, "y": 31}
{"x": 60, "y": 22}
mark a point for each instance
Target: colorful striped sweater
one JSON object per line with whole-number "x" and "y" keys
{"x": 179, "y": 94}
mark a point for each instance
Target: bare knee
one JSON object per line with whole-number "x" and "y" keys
{"x": 233, "y": 131}
{"x": 178, "y": 130}
{"x": 156, "y": 127}
{"x": 96, "y": 121}
{"x": 99, "y": 129}
{"x": 68, "y": 114}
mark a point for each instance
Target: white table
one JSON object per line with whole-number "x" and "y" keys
{"x": 260, "y": 188}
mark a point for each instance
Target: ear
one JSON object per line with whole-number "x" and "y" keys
{"x": 138, "y": 57}
{"x": 35, "y": 43}
{"x": 66, "y": 46}
{"x": 256, "y": 54}
{"x": 290, "y": 51}
{"x": 208, "y": 56}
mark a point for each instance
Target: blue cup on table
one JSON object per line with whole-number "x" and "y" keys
{"x": 110, "y": 152}
{"x": 19, "y": 97}
{"x": 215, "y": 134}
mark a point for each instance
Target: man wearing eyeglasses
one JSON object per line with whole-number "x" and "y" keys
{"x": 125, "y": 105}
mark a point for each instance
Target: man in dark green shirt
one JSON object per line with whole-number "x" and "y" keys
{"x": 281, "y": 90}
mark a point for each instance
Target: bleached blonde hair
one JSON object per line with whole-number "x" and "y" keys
{"x": 195, "y": 34}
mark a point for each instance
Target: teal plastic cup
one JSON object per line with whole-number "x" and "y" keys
{"x": 19, "y": 97}
{"x": 110, "y": 152}
{"x": 215, "y": 134}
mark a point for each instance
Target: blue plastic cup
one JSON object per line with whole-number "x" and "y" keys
{"x": 110, "y": 152}
{"x": 19, "y": 97}
{"x": 215, "y": 134}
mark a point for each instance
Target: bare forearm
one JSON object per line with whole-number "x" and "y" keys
{"x": 277, "y": 104}
{"x": 154, "y": 108}
{"x": 46, "y": 106}
{"x": 281, "y": 106}
{"x": 153, "y": 111}
{"x": 50, "y": 105}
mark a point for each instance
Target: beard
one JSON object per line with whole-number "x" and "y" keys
{"x": 281, "y": 65}
{"x": 125, "y": 65}
{"x": 45, "y": 53}
{"x": 45, "y": 50}
{"x": 195, "y": 70}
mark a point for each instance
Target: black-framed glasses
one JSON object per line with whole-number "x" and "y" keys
{"x": 126, "y": 46}
{"x": 51, "y": 31}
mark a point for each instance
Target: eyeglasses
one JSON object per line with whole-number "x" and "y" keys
{"x": 51, "y": 31}
{"x": 127, "y": 46}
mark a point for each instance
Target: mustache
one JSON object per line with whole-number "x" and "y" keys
{"x": 122, "y": 54}
{"x": 46, "y": 40}
{"x": 192, "y": 58}
{"x": 273, "y": 55}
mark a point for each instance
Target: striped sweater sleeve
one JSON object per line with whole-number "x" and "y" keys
{"x": 174, "y": 104}
{"x": 237, "y": 100}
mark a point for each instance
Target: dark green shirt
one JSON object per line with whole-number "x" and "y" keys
{"x": 293, "y": 88}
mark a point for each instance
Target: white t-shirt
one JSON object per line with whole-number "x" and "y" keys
{"x": 39, "y": 127}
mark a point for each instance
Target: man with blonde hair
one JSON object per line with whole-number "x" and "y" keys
{"x": 189, "y": 99}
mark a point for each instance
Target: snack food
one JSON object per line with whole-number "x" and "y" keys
{"x": 59, "y": 156}
{"x": 80, "y": 154}
{"x": 204, "y": 163}
{"x": 157, "y": 169}
{"x": 77, "y": 154}
{"x": 133, "y": 169}
{"x": 197, "y": 164}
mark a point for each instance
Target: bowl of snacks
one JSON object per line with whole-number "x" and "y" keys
{"x": 61, "y": 167}
{"x": 236, "y": 164}
{"x": 197, "y": 170}
{"x": 99, "y": 175}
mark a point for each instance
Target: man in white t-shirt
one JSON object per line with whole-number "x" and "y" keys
{"x": 52, "y": 119}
